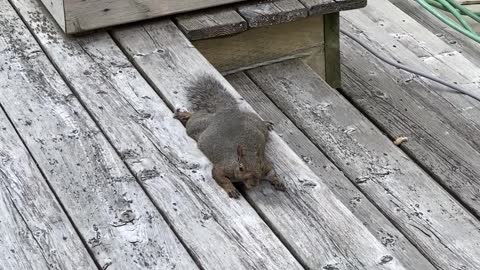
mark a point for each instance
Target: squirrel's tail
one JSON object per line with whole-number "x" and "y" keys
{"x": 207, "y": 93}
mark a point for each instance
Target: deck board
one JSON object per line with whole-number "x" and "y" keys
{"x": 219, "y": 232}
{"x": 258, "y": 13}
{"x": 324, "y": 228}
{"x": 317, "y": 7}
{"x": 266, "y": 13}
{"x": 438, "y": 58}
{"x": 110, "y": 210}
{"x": 33, "y": 221}
{"x": 344, "y": 189}
{"x": 18, "y": 247}
{"x": 443, "y": 126}
{"x": 455, "y": 39}
{"x": 416, "y": 204}
{"x": 97, "y": 139}
{"x": 211, "y": 23}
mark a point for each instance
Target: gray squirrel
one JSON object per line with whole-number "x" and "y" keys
{"x": 232, "y": 139}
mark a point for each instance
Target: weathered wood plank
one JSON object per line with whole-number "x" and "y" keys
{"x": 18, "y": 249}
{"x": 453, "y": 38}
{"x": 211, "y": 23}
{"x": 42, "y": 230}
{"x": 225, "y": 21}
{"x": 450, "y": 120}
{"x": 332, "y": 50}
{"x": 56, "y": 8}
{"x": 438, "y": 58}
{"x": 316, "y": 226}
{"x": 345, "y": 190}
{"x": 265, "y": 13}
{"x": 331, "y": 6}
{"x": 437, "y": 224}
{"x": 84, "y": 15}
{"x": 265, "y": 45}
{"x": 219, "y": 232}
{"x": 31, "y": 220}
{"x": 122, "y": 227}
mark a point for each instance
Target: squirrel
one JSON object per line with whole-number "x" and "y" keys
{"x": 232, "y": 139}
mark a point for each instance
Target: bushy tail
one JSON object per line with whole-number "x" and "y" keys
{"x": 207, "y": 93}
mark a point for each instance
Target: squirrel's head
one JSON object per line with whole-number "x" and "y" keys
{"x": 245, "y": 171}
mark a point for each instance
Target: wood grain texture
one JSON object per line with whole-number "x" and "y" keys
{"x": 450, "y": 121}
{"x": 18, "y": 247}
{"x": 438, "y": 58}
{"x": 437, "y": 224}
{"x": 121, "y": 226}
{"x": 36, "y": 233}
{"x": 332, "y": 50}
{"x": 84, "y": 15}
{"x": 265, "y": 45}
{"x": 211, "y": 23}
{"x": 453, "y": 38}
{"x": 265, "y": 13}
{"x": 42, "y": 231}
{"x": 331, "y": 6}
{"x": 56, "y": 9}
{"x": 309, "y": 219}
{"x": 219, "y": 232}
{"x": 344, "y": 189}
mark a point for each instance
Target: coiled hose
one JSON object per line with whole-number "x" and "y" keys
{"x": 458, "y": 11}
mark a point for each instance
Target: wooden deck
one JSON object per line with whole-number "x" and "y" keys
{"x": 96, "y": 174}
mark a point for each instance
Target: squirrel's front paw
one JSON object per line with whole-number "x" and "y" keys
{"x": 233, "y": 194}
{"x": 279, "y": 186}
{"x": 182, "y": 116}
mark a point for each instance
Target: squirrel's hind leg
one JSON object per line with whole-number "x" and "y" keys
{"x": 219, "y": 176}
{"x": 271, "y": 176}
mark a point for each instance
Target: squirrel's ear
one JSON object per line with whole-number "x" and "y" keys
{"x": 240, "y": 151}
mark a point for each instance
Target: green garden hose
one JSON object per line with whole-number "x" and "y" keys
{"x": 457, "y": 11}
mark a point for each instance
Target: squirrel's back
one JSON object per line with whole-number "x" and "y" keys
{"x": 206, "y": 93}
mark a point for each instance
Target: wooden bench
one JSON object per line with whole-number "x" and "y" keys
{"x": 75, "y": 16}
{"x": 234, "y": 37}
{"x": 257, "y": 33}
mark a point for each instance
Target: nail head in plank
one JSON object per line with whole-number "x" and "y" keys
{"x": 265, "y": 13}
{"x": 211, "y": 23}
{"x": 120, "y": 224}
{"x": 220, "y": 232}
{"x": 318, "y": 227}
{"x": 408, "y": 196}
{"x": 345, "y": 190}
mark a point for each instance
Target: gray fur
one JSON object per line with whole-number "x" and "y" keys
{"x": 233, "y": 140}
{"x": 206, "y": 93}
